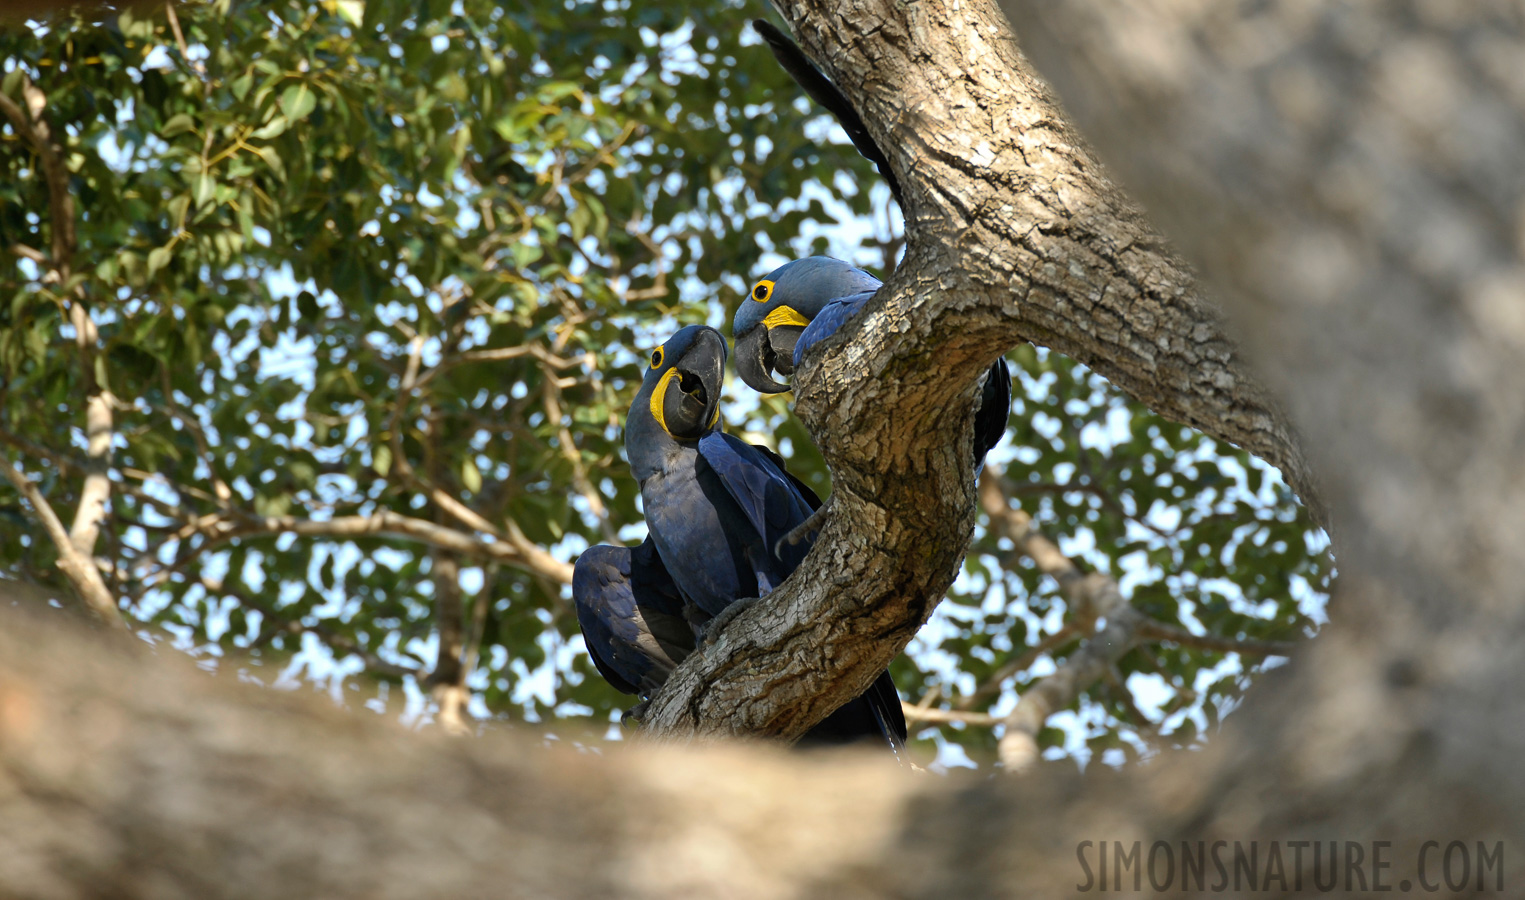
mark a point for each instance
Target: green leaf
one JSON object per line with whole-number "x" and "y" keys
{"x": 273, "y": 160}
{"x": 297, "y": 101}
{"x": 205, "y": 188}
{"x": 381, "y": 460}
{"x": 177, "y": 206}
{"x": 241, "y": 85}
{"x": 274, "y": 128}
{"x": 158, "y": 258}
{"x": 179, "y": 123}
{"x": 352, "y": 11}
{"x": 134, "y": 27}
{"x": 525, "y": 254}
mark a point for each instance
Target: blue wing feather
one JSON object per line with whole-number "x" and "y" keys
{"x": 631, "y": 616}
{"x": 876, "y": 711}
{"x": 769, "y": 497}
{"x": 831, "y": 317}
{"x": 748, "y": 484}
{"x": 805, "y": 491}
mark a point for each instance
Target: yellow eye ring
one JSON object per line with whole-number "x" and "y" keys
{"x": 762, "y": 291}
{"x": 656, "y": 358}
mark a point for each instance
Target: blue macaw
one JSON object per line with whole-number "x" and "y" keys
{"x": 803, "y": 302}
{"x": 716, "y": 507}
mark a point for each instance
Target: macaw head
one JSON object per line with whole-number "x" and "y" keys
{"x": 770, "y": 321}
{"x": 679, "y": 399}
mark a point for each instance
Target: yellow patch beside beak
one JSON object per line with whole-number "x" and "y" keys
{"x": 659, "y": 398}
{"x": 784, "y": 315}
{"x": 659, "y": 395}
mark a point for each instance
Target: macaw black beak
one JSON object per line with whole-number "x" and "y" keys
{"x": 782, "y": 339}
{"x": 691, "y": 404}
{"x": 757, "y": 356}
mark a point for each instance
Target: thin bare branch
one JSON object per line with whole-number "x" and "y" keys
{"x": 158, "y": 478}
{"x": 519, "y": 549}
{"x": 918, "y": 713}
{"x": 479, "y": 610}
{"x": 38, "y": 451}
{"x": 447, "y": 683}
{"x": 78, "y": 568}
{"x": 388, "y": 523}
{"x": 174, "y": 25}
{"x": 933, "y": 694}
{"x": 551, "y": 396}
{"x": 198, "y": 434}
{"x": 1159, "y": 631}
{"x": 1087, "y": 665}
{"x": 34, "y": 130}
{"x": 291, "y": 625}
{"x": 497, "y": 354}
{"x": 1017, "y": 665}
{"x": 509, "y": 546}
{"x": 1091, "y": 597}
{"x": 1015, "y": 524}
{"x": 31, "y": 253}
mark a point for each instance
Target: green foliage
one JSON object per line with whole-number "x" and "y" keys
{"x": 351, "y": 259}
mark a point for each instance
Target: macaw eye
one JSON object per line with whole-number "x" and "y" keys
{"x": 656, "y": 358}
{"x": 762, "y": 291}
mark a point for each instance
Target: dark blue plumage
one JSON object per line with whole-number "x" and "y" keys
{"x": 803, "y": 302}
{"x": 715, "y": 506}
{"x": 832, "y": 316}
{"x": 716, "y": 515}
{"x": 631, "y": 616}
{"x": 711, "y": 500}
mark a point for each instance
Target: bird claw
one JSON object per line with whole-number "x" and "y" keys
{"x": 801, "y": 531}
{"x": 715, "y": 626}
{"x": 632, "y": 718}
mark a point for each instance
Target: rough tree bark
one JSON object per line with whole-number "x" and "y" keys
{"x": 1365, "y": 245}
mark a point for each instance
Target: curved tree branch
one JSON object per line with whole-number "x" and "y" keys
{"x": 516, "y": 549}
{"x": 80, "y": 569}
{"x": 1016, "y": 226}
